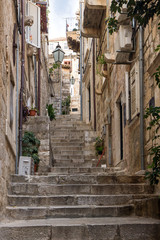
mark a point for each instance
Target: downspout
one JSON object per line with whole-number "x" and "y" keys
{"x": 81, "y": 59}
{"x": 35, "y": 81}
{"x": 22, "y": 80}
{"x": 107, "y": 12}
{"x": 17, "y": 94}
{"x": 141, "y": 75}
{"x": 94, "y": 96}
{"x": 39, "y": 80}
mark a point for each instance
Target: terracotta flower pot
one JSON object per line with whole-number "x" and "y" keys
{"x": 32, "y": 112}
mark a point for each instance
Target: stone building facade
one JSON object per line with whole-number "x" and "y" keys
{"x": 10, "y": 84}
{"x": 111, "y": 83}
{"x": 69, "y": 72}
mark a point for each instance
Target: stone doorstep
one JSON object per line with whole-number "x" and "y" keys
{"x": 127, "y": 228}
{"x": 69, "y": 211}
{"x": 93, "y": 189}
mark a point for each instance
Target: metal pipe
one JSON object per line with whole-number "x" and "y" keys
{"x": 35, "y": 81}
{"x": 61, "y": 89}
{"x": 94, "y": 80}
{"x": 22, "y": 79}
{"x": 81, "y": 60}
{"x": 17, "y": 103}
{"x": 141, "y": 75}
{"x": 39, "y": 81}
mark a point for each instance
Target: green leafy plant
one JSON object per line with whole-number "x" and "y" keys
{"x": 99, "y": 146}
{"x": 100, "y": 61}
{"x": 54, "y": 66}
{"x": 66, "y": 105}
{"x": 141, "y": 11}
{"x": 51, "y": 111}
{"x": 154, "y": 174}
{"x": 30, "y": 145}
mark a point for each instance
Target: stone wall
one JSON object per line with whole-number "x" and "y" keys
{"x": 111, "y": 95}
{"x": 151, "y": 90}
{"x": 8, "y": 92}
{"x": 7, "y": 74}
{"x": 40, "y": 127}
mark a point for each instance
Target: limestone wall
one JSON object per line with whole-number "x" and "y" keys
{"x": 40, "y": 127}
{"x": 122, "y": 143}
{"x": 7, "y": 74}
{"x": 8, "y": 92}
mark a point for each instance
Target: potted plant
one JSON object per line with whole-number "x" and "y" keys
{"x": 30, "y": 145}
{"x": 99, "y": 146}
{"x": 33, "y": 111}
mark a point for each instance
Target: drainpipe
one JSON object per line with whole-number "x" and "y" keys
{"x": 22, "y": 80}
{"x": 81, "y": 59}
{"x": 141, "y": 71}
{"x": 107, "y": 6}
{"x": 35, "y": 81}
{"x": 17, "y": 102}
{"x": 94, "y": 97}
{"x": 39, "y": 80}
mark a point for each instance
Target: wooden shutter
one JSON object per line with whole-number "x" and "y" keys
{"x": 134, "y": 90}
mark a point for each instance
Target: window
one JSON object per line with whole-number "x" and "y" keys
{"x": 74, "y": 109}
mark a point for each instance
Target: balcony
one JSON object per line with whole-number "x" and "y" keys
{"x": 92, "y": 16}
{"x": 73, "y": 40}
{"x": 123, "y": 46}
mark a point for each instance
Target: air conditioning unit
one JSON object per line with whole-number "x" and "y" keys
{"x": 123, "y": 44}
{"x": 123, "y": 40}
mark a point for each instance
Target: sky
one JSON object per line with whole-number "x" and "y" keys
{"x": 59, "y": 10}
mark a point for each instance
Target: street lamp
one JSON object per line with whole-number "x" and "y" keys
{"x": 58, "y": 55}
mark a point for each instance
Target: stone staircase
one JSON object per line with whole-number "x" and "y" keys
{"x": 72, "y": 142}
{"x": 78, "y": 201}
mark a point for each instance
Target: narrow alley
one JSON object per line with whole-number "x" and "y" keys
{"x": 79, "y": 113}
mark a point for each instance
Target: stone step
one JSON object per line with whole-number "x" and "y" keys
{"x": 67, "y": 148}
{"x": 78, "y": 179}
{"x": 72, "y": 200}
{"x": 73, "y": 163}
{"x": 66, "y": 140}
{"x": 69, "y": 134}
{"x": 64, "y": 157}
{"x": 29, "y": 213}
{"x": 126, "y": 228}
{"x": 68, "y": 153}
{"x": 67, "y": 189}
{"x": 67, "y": 144}
{"x": 71, "y": 127}
{"x": 82, "y": 170}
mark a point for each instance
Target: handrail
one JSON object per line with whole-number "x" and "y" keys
{"x": 101, "y": 157}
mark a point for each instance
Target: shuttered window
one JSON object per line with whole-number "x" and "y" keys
{"x": 134, "y": 90}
